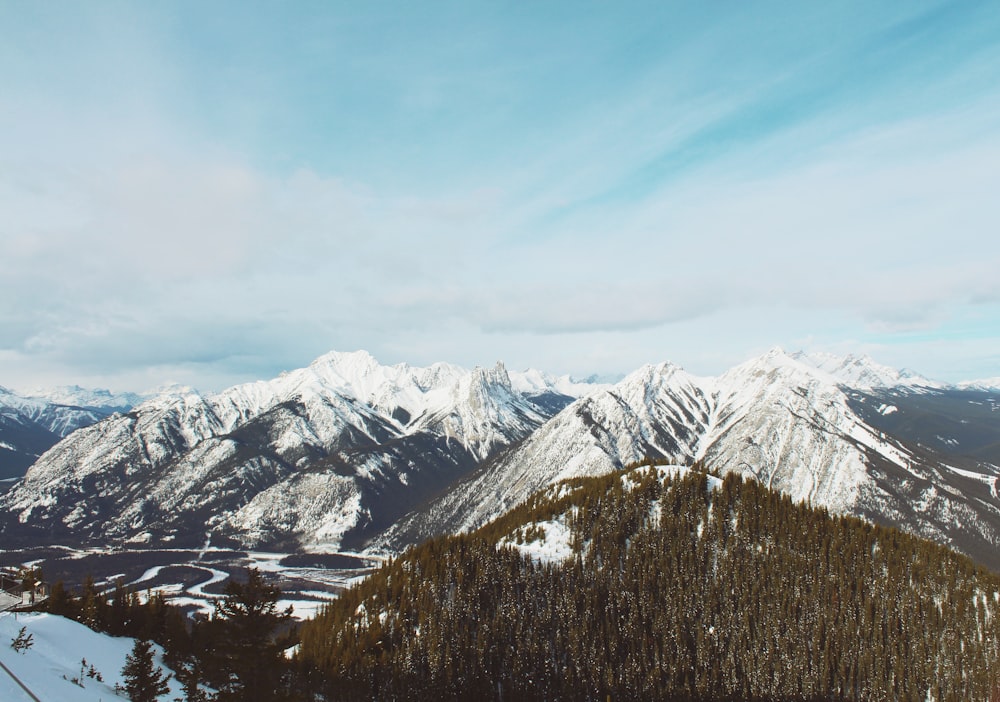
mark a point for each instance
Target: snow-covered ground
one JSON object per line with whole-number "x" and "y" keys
{"x": 552, "y": 545}
{"x": 55, "y": 658}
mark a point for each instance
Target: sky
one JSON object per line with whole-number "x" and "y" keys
{"x": 211, "y": 193}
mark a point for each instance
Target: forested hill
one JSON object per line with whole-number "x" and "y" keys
{"x": 661, "y": 583}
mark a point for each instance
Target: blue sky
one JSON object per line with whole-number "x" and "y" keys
{"x": 208, "y": 193}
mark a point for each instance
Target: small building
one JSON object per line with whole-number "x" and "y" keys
{"x": 18, "y": 592}
{"x": 35, "y": 595}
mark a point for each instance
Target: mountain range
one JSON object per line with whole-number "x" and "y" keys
{"x": 339, "y": 449}
{"x": 32, "y": 423}
{"x": 791, "y": 424}
{"x": 349, "y": 454}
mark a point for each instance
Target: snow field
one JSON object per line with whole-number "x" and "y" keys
{"x": 59, "y": 645}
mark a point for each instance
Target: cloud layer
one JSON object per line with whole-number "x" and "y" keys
{"x": 196, "y": 199}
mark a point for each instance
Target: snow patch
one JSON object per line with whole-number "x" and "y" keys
{"x": 553, "y": 545}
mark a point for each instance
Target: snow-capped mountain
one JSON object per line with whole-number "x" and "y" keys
{"x": 535, "y": 382}
{"x": 982, "y": 384}
{"x": 59, "y": 419}
{"x": 317, "y": 456}
{"x": 791, "y": 425}
{"x": 349, "y": 453}
{"x": 862, "y": 373}
{"x": 94, "y": 398}
{"x": 31, "y": 424}
{"x": 655, "y": 411}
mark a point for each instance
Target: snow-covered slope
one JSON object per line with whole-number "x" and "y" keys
{"x": 790, "y": 427}
{"x": 344, "y": 445}
{"x": 31, "y": 424}
{"x": 59, "y": 646}
{"x": 783, "y": 421}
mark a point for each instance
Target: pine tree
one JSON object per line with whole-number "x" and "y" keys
{"x": 62, "y": 602}
{"x": 143, "y": 681}
{"x": 247, "y": 622}
{"x": 188, "y": 674}
{"x": 23, "y": 641}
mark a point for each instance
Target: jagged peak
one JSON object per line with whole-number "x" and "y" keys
{"x": 481, "y": 380}
{"x": 498, "y": 373}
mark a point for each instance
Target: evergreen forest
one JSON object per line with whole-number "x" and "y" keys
{"x": 672, "y": 590}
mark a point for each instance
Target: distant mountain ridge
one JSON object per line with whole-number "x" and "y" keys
{"x": 318, "y": 457}
{"x": 982, "y": 384}
{"x": 348, "y": 453}
{"x": 30, "y": 424}
{"x": 76, "y": 396}
{"x": 862, "y": 373}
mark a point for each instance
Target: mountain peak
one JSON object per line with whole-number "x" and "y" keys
{"x": 862, "y": 372}
{"x": 497, "y": 375}
{"x": 352, "y": 362}
{"x": 646, "y": 373}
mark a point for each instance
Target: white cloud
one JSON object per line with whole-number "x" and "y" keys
{"x": 609, "y": 231}
{"x": 173, "y": 259}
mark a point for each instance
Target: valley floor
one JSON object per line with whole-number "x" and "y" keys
{"x": 193, "y": 579}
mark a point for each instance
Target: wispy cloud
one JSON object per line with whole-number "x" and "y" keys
{"x": 187, "y": 194}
